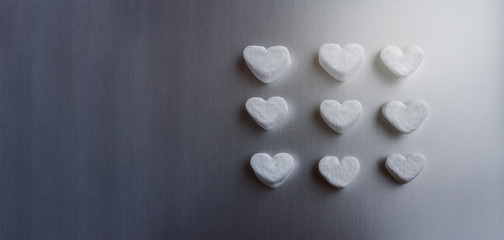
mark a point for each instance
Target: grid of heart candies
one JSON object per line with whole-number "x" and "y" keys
{"x": 341, "y": 63}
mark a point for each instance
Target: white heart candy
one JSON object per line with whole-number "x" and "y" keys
{"x": 341, "y": 63}
{"x": 340, "y": 117}
{"x": 272, "y": 171}
{"x": 407, "y": 117}
{"x": 267, "y": 113}
{"x": 339, "y": 173}
{"x": 405, "y": 169}
{"x": 402, "y": 62}
{"x": 267, "y": 64}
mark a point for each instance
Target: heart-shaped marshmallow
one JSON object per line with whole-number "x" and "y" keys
{"x": 267, "y": 113}
{"x": 341, "y": 63}
{"x": 404, "y": 169}
{"x": 272, "y": 171}
{"x": 267, "y": 64}
{"x": 340, "y": 117}
{"x": 402, "y": 62}
{"x": 405, "y": 117}
{"x": 339, "y": 173}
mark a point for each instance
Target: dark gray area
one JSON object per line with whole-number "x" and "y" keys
{"x": 126, "y": 120}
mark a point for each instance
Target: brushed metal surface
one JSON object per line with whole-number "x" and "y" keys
{"x": 126, "y": 120}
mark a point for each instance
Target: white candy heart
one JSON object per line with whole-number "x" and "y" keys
{"x": 272, "y": 171}
{"x": 405, "y": 169}
{"x": 340, "y": 117}
{"x": 402, "y": 62}
{"x": 267, "y": 64}
{"x": 407, "y": 117}
{"x": 341, "y": 63}
{"x": 339, "y": 173}
{"x": 267, "y": 113}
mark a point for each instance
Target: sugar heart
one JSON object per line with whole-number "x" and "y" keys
{"x": 407, "y": 117}
{"x": 404, "y": 169}
{"x": 267, "y": 113}
{"x": 272, "y": 171}
{"x": 402, "y": 62}
{"x": 341, "y": 63}
{"x": 340, "y": 117}
{"x": 339, "y": 173}
{"x": 267, "y": 64}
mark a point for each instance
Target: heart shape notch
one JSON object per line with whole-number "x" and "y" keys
{"x": 272, "y": 171}
{"x": 339, "y": 173}
{"x": 340, "y": 117}
{"x": 405, "y": 117}
{"x": 267, "y": 113}
{"x": 267, "y": 64}
{"x": 404, "y": 169}
{"x": 341, "y": 63}
{"x": 402, "y": 62}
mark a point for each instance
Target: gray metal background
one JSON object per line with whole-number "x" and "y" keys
{"x": 126, "y": 120}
